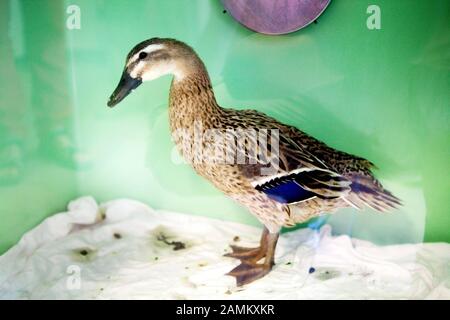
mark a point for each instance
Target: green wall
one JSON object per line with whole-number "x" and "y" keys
{"x": 381, "y": 94}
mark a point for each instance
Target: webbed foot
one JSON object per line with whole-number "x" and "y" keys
{"x": 246, "y": 254}
{"x": 248, "y": 272}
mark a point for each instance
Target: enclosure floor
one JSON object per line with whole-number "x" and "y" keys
{"x": 124, "y": 249}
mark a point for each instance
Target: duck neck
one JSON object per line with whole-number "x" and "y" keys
{"x": 192, "y": 97}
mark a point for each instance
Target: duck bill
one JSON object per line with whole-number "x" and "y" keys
{"x": 125, "y": 86}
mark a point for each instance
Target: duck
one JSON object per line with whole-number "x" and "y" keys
{"x": 282, "y": 175}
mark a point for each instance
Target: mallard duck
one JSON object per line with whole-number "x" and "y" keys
{"x": 300, "y": 179}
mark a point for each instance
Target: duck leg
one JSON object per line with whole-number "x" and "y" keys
{"x": 250, "y": 270}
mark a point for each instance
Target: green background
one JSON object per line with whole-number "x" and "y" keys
{"x": 381, "y": 94}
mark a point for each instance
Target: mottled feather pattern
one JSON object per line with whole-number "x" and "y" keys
{"x": 371, "y": 193}
{"x": 330, "y": 179}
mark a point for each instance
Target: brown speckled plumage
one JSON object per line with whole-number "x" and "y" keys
{"x": 192, "y": 99}
{"x": 334, "y": 178}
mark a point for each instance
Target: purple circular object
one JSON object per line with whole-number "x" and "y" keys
{"x": 275, "y": 16}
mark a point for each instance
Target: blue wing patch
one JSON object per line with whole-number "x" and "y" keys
{"x": 285, "y": 191}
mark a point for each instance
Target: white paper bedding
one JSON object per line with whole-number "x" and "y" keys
{"x": 125, "y": 250}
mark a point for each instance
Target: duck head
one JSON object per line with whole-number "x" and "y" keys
{"x": 152, "y": 59}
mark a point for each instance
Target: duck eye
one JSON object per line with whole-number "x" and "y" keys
{"x": 142, "y": 55}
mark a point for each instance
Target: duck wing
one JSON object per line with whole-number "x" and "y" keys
{"x": 303, "y": 168}
{"x": 280, "y": 165}
{"x": 303, "y": 184}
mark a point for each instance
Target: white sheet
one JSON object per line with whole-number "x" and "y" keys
{"x": 123, "y": 258}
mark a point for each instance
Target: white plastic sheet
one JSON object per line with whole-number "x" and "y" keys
{"x": 124, "y": 249}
